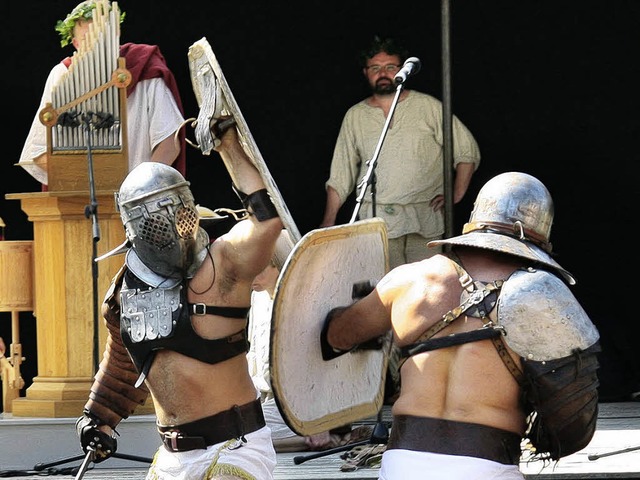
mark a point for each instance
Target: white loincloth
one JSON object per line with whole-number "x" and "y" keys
{"x": 253, "y": 460}
{"x": 398, "y": 464}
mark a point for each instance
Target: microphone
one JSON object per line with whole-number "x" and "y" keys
{"x": 68, "y": 119}
{"x": 411, "y": 66}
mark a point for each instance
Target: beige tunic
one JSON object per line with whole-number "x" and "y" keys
{"x": 409, "y": 170}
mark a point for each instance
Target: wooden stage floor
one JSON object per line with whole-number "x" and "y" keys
{"x": 614, "y": 452}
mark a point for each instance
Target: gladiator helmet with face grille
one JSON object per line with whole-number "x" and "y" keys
{"x": 161, "y": 223}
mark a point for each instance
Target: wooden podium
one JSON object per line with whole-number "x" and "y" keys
{"x": 63, "y": 296}
{"x": 63, "y": 252}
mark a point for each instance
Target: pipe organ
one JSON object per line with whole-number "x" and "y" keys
{"x": 87, "y": 114}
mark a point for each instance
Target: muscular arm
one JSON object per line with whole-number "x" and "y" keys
{"x": 248, "y": 246}
{"x": 243, "y": 172}
{"x": 364, "y": 320}
{"x": 371, "y": 316}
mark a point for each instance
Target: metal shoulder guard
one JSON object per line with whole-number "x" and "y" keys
{"x": 542, "y": 318}
{"x": 558, "y": 346}
{"x": 113, "y": 394}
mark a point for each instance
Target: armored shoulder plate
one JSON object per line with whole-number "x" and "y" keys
{"x": 541, "y": 317}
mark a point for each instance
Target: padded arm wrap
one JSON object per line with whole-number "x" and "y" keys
{"x": 329, "y": 352}
{"x": 113, "y": 395}
{"x": 259, "y": 203}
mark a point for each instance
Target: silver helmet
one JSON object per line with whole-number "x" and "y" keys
{"x": 161, "y": 223}
{"x": 513, "y": 213}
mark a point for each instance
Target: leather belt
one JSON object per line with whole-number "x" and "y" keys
{"x": 232, "y": 423}
{"x": 425, "y": 434}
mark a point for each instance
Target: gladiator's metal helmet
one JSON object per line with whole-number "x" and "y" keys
{"x": 513, "y": 213}
{"x": 161, "y": 224}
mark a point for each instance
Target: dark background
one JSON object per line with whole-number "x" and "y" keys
{"x": 547, "y": 87}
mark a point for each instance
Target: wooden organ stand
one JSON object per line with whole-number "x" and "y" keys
{"x": 63, "y": 255}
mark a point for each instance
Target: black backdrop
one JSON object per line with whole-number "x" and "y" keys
{"x": 548, "y": 87}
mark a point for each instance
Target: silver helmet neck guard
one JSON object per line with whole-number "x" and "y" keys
{"x": 513, "y": 214}
{"x": 161, "y": 224}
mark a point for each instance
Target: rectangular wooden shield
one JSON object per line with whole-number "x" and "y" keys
{"x": 215, "y": 98}
{"x": 314, "y": 395}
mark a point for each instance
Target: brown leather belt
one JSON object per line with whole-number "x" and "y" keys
{"x": 435, "y": 435}
{"x": 232, "y": 423}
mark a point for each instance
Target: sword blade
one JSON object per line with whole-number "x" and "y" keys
{"x": 88, "y": 458}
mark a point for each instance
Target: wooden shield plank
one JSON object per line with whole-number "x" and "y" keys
{"x": 314, "y": 395}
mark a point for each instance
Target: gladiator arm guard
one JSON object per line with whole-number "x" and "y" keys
{"x": 113, "y": 395}
{"x": 258, "y": 203}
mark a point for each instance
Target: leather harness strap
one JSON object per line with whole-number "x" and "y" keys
{"x": 508, "y": 360}
{"x": 451, "y": 315}
{"x": 490, "y": 331}
{"x": 450, "y": 340}
{"x": 232, "y": 312}
{"x": 498, "y": 341}
{"x": 475, "y": 298}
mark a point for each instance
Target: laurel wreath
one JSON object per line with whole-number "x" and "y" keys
{"x": 82, "y": 11}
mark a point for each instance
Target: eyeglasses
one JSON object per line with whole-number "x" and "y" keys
{"x": 390, "y": 68}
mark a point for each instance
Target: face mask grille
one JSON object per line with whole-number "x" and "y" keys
{"x": 155, "y": 231}
{"x": 186, "y": 221}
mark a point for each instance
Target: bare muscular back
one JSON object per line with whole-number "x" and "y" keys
{"x": 468, "y": 382}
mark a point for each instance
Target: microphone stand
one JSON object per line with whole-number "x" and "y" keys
{"x": 380, "y": 433}
{"x": 91, "y": 211}
{"x": 369, "y": 177}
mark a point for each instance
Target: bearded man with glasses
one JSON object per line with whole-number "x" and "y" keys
{"x": 409, "y": 171}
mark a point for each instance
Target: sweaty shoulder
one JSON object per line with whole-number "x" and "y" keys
{"x": 430, "y": 270}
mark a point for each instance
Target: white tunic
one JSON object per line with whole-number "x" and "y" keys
{"x": 152, "y": 115}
